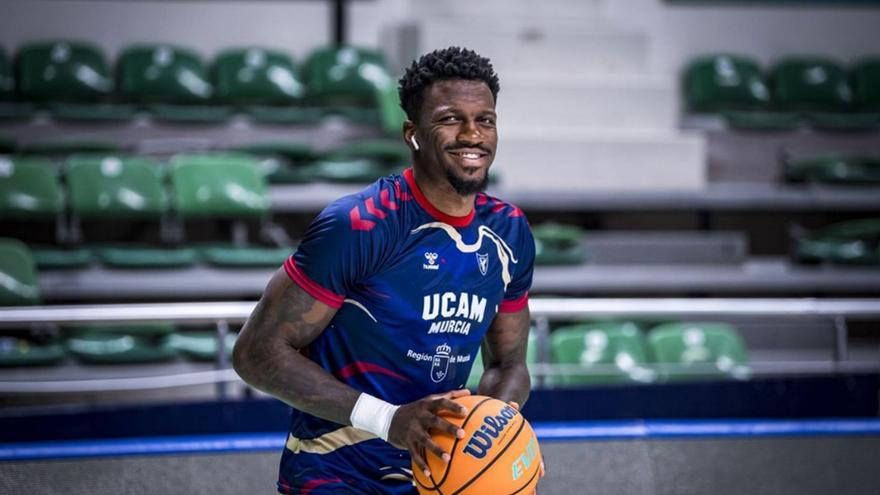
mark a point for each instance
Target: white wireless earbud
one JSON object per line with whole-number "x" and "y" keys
{"x": 415, "y": 143}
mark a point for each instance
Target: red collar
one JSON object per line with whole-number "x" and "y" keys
{"x": 433, "y": 211}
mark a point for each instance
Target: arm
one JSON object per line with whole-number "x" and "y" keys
{"x": 506, "y": 376}
{"x": 267, "y": 355}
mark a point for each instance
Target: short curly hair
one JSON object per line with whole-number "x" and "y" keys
{"x": 440, "y": 65}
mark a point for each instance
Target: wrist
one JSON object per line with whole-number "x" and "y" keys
{"x": 373, "y": 415}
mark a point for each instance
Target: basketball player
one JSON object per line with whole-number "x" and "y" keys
{"x": 371, "y": 328}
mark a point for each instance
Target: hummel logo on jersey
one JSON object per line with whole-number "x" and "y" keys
{"x": 483, "y": 261}
{"x": 431, "y": 264}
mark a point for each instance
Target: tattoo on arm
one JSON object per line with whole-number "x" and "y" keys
{"x": 267, "y": 354}
{"x": 506, "y": 376}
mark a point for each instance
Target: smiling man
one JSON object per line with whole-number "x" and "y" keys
{"x": 370, "y": 329}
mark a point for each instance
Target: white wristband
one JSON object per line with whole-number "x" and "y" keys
{"x": 373, "y": 415}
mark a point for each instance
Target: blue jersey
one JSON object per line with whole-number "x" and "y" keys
{"x": 416, "y": 291}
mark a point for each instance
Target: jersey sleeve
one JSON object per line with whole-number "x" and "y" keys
{"x": 333, "y": 256}
{"x": 516, "y": 297}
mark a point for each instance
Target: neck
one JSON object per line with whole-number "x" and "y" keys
{"x": 441, "y": 194}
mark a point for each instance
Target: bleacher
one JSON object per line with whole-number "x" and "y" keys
{"x": 710, "y": 227}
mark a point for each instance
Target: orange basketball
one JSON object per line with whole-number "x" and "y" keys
{"x": 499, "y": 453}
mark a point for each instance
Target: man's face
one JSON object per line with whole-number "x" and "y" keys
{"x": 457, "y": 134}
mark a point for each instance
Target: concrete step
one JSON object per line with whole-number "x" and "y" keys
{"x": 574, "y": 160}
{"x": 552, "y": 48}
{"x": 658, "y": 247}
{"x": 607, "y": 102}
{"x": 501, "y": 10}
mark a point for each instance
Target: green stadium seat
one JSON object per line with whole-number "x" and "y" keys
{"x": 345, "y": 170}
{"x": 147, "y": 330}
{"x": 762, "y": 121}
{"x": 811, "y": 84}
{"x": 106, "y": 187}
{"x": 282, "y": 162}
{"x": 226, "y": 185}
{"x": 115, "y": 186}
{"x": 60, "y": 258}
{"x": 692, "y": 351}
{"x": 837, "y": 168}
{"x": 172, "y": 80}
{"x": 477, "y": 369}
{"x": 391, "y": 114}
{"x": 17, "y": 353}
{"x": 345, "y": 76}
{"x": 144, "y": 255}
{"x": 63, "y": 71}
{"x": 854, "y": 242}
{"x": 725, "y": 82}
{"x": 264, "y": 83}
{"x": 107, "y": 347}
{"x": 350, "y": 82}
{"x": 257, "y": 76}
{"x": 121, "y": 344}
{"x": 71, "y": 78}
{"x": 557, "y": 244}
{"x": 29, "y": 190}
{"x": 201, "y": 345}
{"x": 232, "y": 256}
{"x": 19, "y": 284}
{"x": 603, "y": 352}
{"x": 391, "y": 152}
{"x": 866, "y": 83}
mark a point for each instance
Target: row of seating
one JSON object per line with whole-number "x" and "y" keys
{"x": 602, "y": 352}
{"x": 796, "y": 90}
{"x": 619, "y": 352}
{"x": 74, "y": 81}
{"x": 834, "y": 168}
{"x": 853, "y": 242}
{"x": 133, "y": 344}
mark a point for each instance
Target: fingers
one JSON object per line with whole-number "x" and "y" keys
{"x": 435, "y": 449}
{"x": 514, "y": 404}
{"x": 440, "y": 424}
{"x": 418, "y": 458}
{"x": 449, "y": 405}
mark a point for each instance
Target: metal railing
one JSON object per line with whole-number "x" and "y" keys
{"x": 222, "y": 314}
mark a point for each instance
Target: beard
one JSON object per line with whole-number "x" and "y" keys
{"x": 466, "y": 187}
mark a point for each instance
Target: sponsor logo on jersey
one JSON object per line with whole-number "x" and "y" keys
{"x": 440, "y": 363}
{"x": 483, "y": 262}
{"x": 431, "y": 259}
{"x": 481, "y": 441}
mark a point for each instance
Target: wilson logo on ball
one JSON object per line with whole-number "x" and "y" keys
{"x": 481, "y": 441}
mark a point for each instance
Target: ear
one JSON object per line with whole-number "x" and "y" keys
{"x": 409, "y": 131}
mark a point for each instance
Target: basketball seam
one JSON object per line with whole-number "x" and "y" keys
{"x": 498, "y": 456}
{"x": 451, "y": 455}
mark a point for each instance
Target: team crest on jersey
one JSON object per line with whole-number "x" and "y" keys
{"x": 440, "y": 363}
{"x": 483, "y": 261}
{"x": 431, "y": 259}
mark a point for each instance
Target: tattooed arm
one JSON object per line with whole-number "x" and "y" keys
{"x": 267, "y": 357}
{"x": 267, "y": 353}
{"x": 506, "y": 376}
